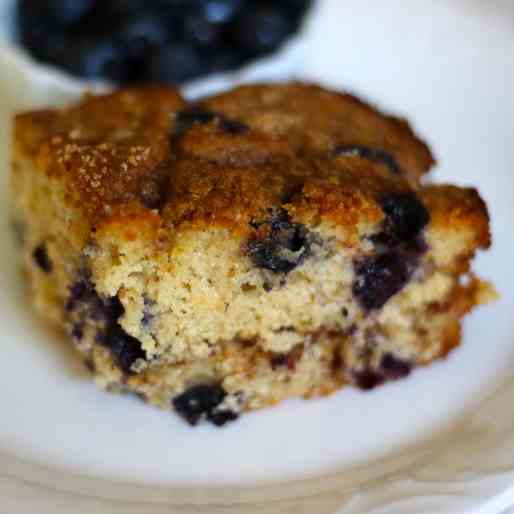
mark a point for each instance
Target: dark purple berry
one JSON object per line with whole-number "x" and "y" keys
{"x": 86, "y": 304}
{"x": 284, "y": 247}
{"x": 232, "y": 126}
{"x": 221, "y": 11}
{"x": 201, "y": 402}
{"x": 263, "y": 29}
{"x": 390, "y": 368}
{"x": 94, "y": 57}
{"x": 380, "y": 277}
{"x": 140, "y": 35}
{"x": 176, "y": 64}
{"x": 58, "y": 12}
{"x": 185, "y": 120}
{"x": 367, "y": 379}
{"x": 222, "y": 417}
{"x": 169, "y": 41}
{"x": 82, "y": 292}
{"x": 298, "y": 5}
{"x": 77, "y": 331}
{"x": 90, "y": 365}
{"x": 394, "y": 368}
{"x": 125, "y": 348}
{"x": 371, "y": 154}
{"x": 225, "y": 59}
{"x": 121, "y": 9}
{"x": 199, "y": 31}
{"x": 42, "y": 259}
{"x": 148, "y": 315}
{"x": 406, "y": 216}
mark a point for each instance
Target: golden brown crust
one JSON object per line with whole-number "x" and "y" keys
{"x": 343, "y": 189}
{"x": 267, "y": 146}
{"x": 132, "y": 116}
{"x": 314, "y": 120}
{"x": 458, "y": 209}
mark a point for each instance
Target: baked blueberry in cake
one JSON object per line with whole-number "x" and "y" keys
{"x": 219, "y": 257}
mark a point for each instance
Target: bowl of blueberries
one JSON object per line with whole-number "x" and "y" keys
{"x": 125, "y": 42}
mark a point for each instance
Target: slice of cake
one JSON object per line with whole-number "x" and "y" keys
{"x": 215, "y": 258}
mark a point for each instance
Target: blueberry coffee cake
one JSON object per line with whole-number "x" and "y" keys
{"x": 218, "y": 257}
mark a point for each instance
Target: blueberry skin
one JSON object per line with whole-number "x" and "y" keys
{"x": 201, "y": 401}
{"x": 42, "y": 259}
{"x": 176, "y": 64}
{"x": 54, "y": 12}
{"x": 169, "y": 41}
{"x": 149, "y": 28}
{"x": 196, "y": 115}
{"x": 198, "y": 31}
{"x": 371, "y": 154}
{"x": 221, "y": 11}
{"x": 84, "y": 298}
{"x": 283, "y": 234}
{"x": 381, "y": 277}
{"x": 93, "y": 57}
{"x": 262, "y": 30}
{"x": 186, "y": 119}
{"x": 125, "y": 348}
{"x": 406, "y": 216}
{"x": 390, "y": 368}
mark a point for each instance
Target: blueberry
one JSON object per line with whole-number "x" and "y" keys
{"x": 185, "y": 120}
{"x": 393, "y": 367}
{"x": 125, "y": 348}
{"x": 367, "y": 379}
{"x": 169, "y": 41}
{"x": 61, "y": 12}
{"x": 263, "y": 29}
{"x": 406, "y": 216}
{"x": 121, "y": 9}
{"x": 93, "y": 57}
{"x": 225, "y": 58}
{"x": 199, "y": 31}
{"x": 82, "y": 292}
{"x": 288, "y": 360}
{"x": 390, "y": 368}
{"x": 152, "y": 191}
{"x": 86, "y": 304}
{"x": 201, "y": 402}
{"x": 38, "y": 32}
{"x": 77, "y": 331}
{"x": 221, "y": 11}
{"x": 142, "y": 32}
{"x": 176, "y": 64}
{"x": 380, "y": 277}
{"x": 284, "y": 246}
{"x": 165, "y": 40}
{"x": 371, "y": 154}
{"x": 42, "y": 259}
{"x": 232, "y": 126}
{"x": 222, "y": 417}
{"x": 148, "y": 315}
{"x": 298, "y": 5}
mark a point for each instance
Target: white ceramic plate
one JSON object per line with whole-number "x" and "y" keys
{"x": 441, "y": 441}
